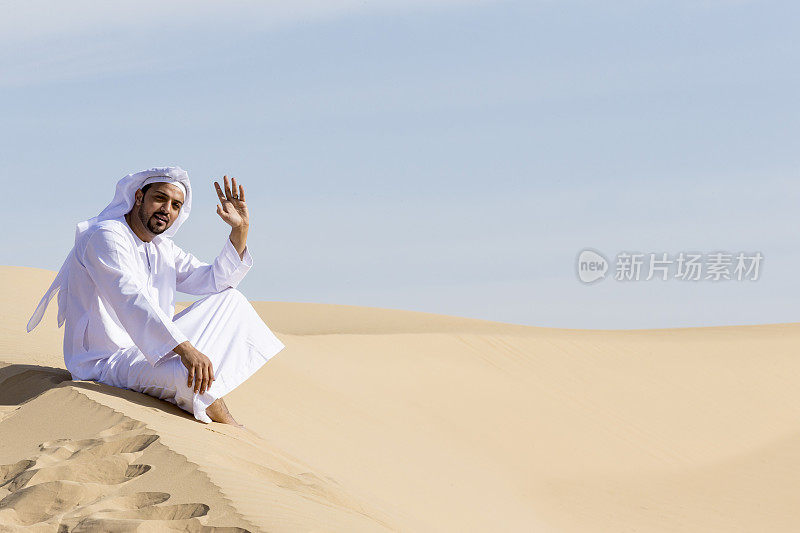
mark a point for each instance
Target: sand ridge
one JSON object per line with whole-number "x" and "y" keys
{"x": 109, "y": 474}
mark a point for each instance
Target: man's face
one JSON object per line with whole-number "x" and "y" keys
{"x": 160, "y": 206}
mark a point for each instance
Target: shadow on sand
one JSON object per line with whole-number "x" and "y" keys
{"x": 21, "y": 383}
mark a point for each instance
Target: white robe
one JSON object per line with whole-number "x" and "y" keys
{"x": 120, "y": 327}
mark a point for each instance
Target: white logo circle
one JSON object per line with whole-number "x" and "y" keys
{"x": 592, "y": 266}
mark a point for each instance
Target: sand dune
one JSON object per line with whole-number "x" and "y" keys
{"x": 383, "y": 420}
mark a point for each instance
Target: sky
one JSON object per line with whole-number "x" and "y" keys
{"x": 451, "y": 157}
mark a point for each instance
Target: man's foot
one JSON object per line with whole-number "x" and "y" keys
{"x": 218, "y": 412}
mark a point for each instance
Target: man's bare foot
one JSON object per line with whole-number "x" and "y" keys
{"x": 218, "y": 412}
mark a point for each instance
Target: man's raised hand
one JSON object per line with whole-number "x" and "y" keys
{"x": 232, "y": 207}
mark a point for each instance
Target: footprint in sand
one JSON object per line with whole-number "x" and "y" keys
{"x": 70, "y": 486}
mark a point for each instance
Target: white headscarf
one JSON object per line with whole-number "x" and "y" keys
{"x": 120, "y": 205}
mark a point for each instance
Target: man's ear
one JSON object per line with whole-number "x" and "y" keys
{"x": 139, "y": 196}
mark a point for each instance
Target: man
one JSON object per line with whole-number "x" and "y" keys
{"x": 116, "y": 293}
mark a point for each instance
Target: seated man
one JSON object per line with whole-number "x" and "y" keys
{"x": 116, "y": 292}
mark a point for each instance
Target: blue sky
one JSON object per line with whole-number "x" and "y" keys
{"x": 451, "y": 157}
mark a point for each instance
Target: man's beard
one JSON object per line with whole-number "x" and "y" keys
{"x": 151, "y": 224}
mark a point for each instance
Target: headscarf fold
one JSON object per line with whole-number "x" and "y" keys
{"x": 166, "y": 179}
{"x": 120, "y": 205}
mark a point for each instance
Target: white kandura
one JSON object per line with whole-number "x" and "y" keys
{"x": 117, "y": 299}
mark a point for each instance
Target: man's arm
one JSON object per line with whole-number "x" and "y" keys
{"x": 238, "y": 238}
{"x": 233, "y": 262}
{"x": 106, "y": 258}
{"x": 193, "y": 276}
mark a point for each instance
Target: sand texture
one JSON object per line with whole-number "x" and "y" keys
{"x": 385, "y": 420}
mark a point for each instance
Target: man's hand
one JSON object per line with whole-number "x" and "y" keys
{"x": 198, "y": 365}
{"x": 232, "y": 208}
{"x": 234, "y": 212}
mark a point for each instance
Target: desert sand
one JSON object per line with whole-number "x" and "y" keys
{"x": 385, "y": 420}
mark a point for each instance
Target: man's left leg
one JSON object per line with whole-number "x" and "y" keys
{"x": 218, "y": 412}
{"x": 228, "y": 330}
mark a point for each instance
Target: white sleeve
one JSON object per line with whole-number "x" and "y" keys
{"x": 105, "y": 258}
{"x": 196, "y": 277}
